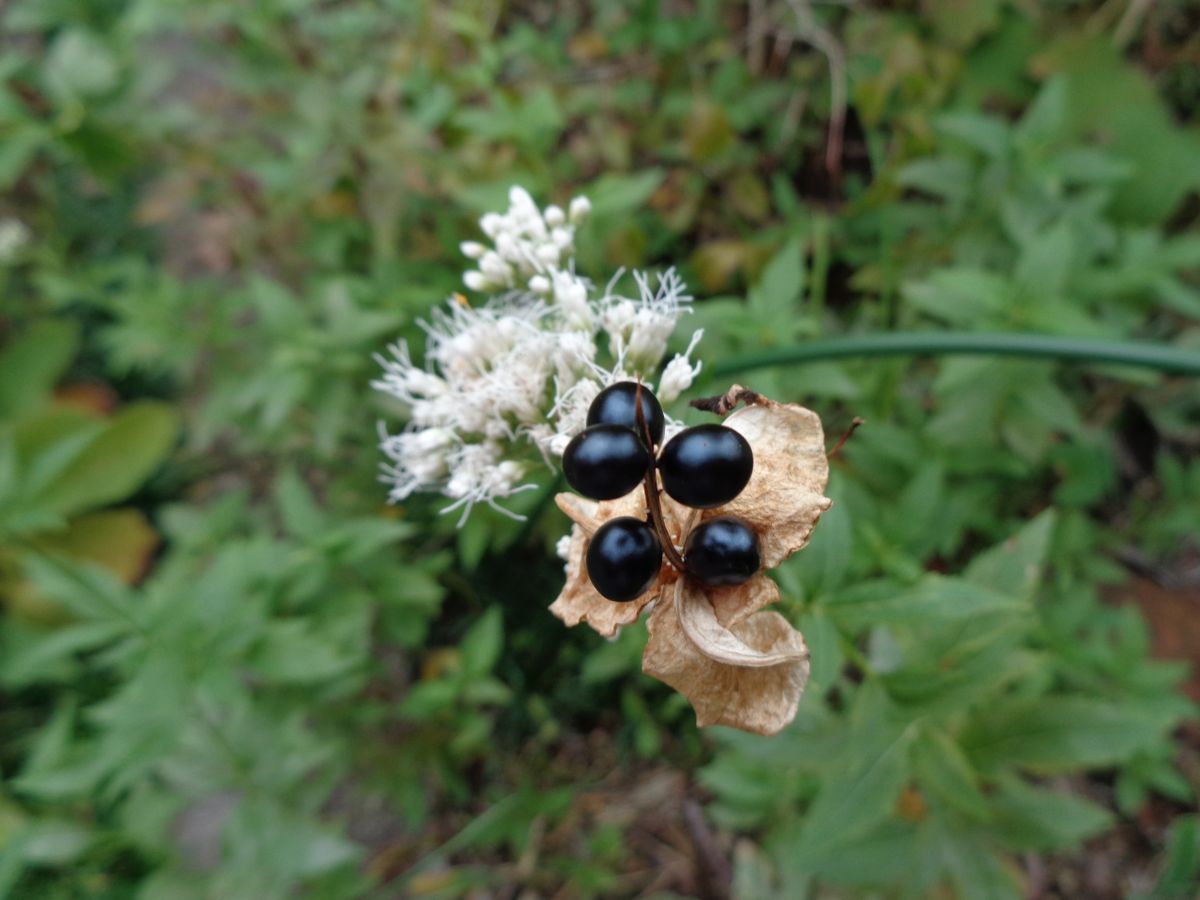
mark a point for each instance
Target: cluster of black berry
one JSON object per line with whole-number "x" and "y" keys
{"x": 702, "y": 467}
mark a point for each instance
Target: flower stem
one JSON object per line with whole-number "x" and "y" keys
{"x": 1162, "y": 357}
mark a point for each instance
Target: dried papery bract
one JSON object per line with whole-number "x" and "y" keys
{"x": 748, "y": 676}
{"x": 786, "y": 493}
{"x": 579, "y": 601}
{"x": 737, "y": 664}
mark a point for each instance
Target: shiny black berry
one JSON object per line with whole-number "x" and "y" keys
{"x": 615, "y": 405}
{"x": 706, "y": 466}
{"x": 623, "y": 558}
{"x": 721, "y": 551}
{"x": 605, "y": 461}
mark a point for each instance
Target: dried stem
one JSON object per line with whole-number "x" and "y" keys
{"x": 854, "y": 426}
{"x": 823, "y": 40}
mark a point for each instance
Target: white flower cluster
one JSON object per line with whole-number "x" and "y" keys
{"x": 513, "y": 378}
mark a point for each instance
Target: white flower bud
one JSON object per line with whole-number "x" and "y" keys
{"x": 539, "y": 284}
{"x": 495, "y": 269}
{"x": 554, "y": 216}
{"x": 472, "y": 249}
{"x": 475, "y": 280}
{"x": 492, "y": 224}
{"x": 508, "y": 247}
{"x": 519, "y": 199}
{"x": 676, "y": 378}
{"x": 548, "y": 253}
{"x": 579, "y": 209}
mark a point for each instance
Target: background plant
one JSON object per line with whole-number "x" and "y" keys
{"x": 302, "y": 691}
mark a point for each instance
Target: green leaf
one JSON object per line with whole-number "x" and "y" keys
{"x": 616, "y": 195}
{"x": 40, "y": 656}
{"x": 960, "y": 23}
{"x": 882, "y": 857}
{"x": 86, "y": 590}
{"x": 782, "y": 280}
{"x": 300, "y": 513}
{"x": 974, "y": 865}
{"x": 508, "y": 821}
{"x": 1058, "y": 734}
{"x": 32, "y": 364}
{"x": 944, "y": 771}
{"x": 987, "y": 134}
{"x": 1014, "y": 567}
{"x": 862, "y": 791}
{"x": 960, "y": 296}
{"x": 1028, "y": 817}
{"x": 936, "y": 599}
{"x": 824, "y": 648}
{"x": 480, "y": 647}
{"x": 945, "y": 177}
{"x": 1045, "y": 263}
{"x": 1180, "y": 875}
{"x": 293, "y": 653}
{"x": 134, "y": 444}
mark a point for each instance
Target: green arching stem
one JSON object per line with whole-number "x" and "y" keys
{"x": 1161, "y": 357}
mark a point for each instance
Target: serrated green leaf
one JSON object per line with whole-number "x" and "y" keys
{"x": 1014, "y": 567}
{"x": 935, "y": 599}
{"x": 1027, "y": 817}
{"x": 862, "y": 791}
{"x": 976, "y": 866}
{"x": 1058, "y": 734}
{"x": 293, "y": 653}
{"x": 944, "y": 771}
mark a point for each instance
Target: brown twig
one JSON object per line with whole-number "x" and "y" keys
{"x": 855, "y": 423}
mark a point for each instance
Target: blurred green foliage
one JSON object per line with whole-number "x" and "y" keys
{"x": 226, "y": 670}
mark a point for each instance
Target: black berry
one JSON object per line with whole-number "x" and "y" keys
{"x": 706, "y": 466}
{"x": 615, "y": 405}
{"x": 605, "y": 462}
{"x": 721, "y": 551}
{"x": 623, "y": 558}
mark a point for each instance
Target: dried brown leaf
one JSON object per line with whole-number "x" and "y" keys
{"x": 761, "y": 698}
